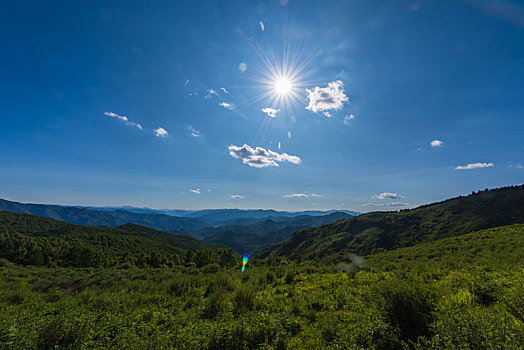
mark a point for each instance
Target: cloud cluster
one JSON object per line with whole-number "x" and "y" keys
{"x": 474, "y": 166}
{"x": 436, "y": 143}
{"x": 332, "y": 97}
{"x": 237, "y": 196}
{"x": 271, "y": 112}
{"x": 124, "y": 119}
{"x": 388, "y": 195}
{"x": 160, "y": 132}
{"x": 260, "y": 157}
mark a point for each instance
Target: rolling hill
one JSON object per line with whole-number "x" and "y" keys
{"x": 377, "y": 231}
{"x": 28, "y": 239}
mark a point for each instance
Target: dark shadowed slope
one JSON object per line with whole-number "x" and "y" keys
{"x": 378, "y": 231}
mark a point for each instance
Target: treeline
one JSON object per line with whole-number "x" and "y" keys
{"x": 103, "y": 250}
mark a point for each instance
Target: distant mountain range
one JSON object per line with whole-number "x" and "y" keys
{"x": 379, "y": 231}
{"x": 238, "y": 228}
{"x": 222, "y": 217}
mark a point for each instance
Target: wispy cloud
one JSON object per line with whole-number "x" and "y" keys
{"x": 196, "y": 190}
{"x": 296, "y": 195}
{"x": 193, "y": 132}
{"x": 388, "y": 195}
{"x": 436, "y": 143}
{"x": 332, "y": 97}
{"x": 271, "y": 112}
{"x": 237, "y": 196}
{"x": 160, "y": 132}
{"x": 260, "y": 157}
{"x": 348, "y": 118}
{"x": 517, "y": 166}
{"x": 386, "y": 205}
{"x": 227, "y": 105}
{"x": 224, "y": 89}
{"x": 474, "y": 166}
{"x": 315, "y": 195}
{"x": 124, "y": 119}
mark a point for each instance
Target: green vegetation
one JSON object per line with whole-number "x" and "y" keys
{"x": 65, "y": 286}
{"x": 31, "y": 240}
{"x": 375, "y": 232}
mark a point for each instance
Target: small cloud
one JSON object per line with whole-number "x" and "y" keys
{"x": 124, "y": 119}
{"x": 196, "y": 190}
{"x": 225, "y": 91}
{"x": 327, "y": 98}
{"x": 160, "y": 132}
{"x": 386, "y": 205}
{"x": 237, "y": 196}
{"x": 388, "y": 195}
{"x": 271, "y": 112}
{"x": 211, "y": 92}
{"x": 260, "y": 157}
{"x": 261, "y": 25}
{"x": 193, "y": 132}
{"x": 347, "y": 118}
{"x": 296, "y": 195}
{"x": 517, "y": 166}
{"x": 436, "y": 143}
{"x": 315, "y": 195}
{"x": 226, "y": 105}
{"x": 474, "y": 166}
{"x": 186, "y": 82}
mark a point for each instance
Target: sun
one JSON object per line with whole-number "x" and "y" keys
{"x": 283, "y": 86}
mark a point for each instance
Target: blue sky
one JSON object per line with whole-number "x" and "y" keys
{"x": 150, "y": 103}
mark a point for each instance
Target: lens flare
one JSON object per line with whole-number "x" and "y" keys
{"x": 245, "y": 259}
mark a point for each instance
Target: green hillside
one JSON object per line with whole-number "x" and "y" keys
{"x": 500, "y": 246}
{"x": 32, "y": 240}
{"x": 374, "y": 232}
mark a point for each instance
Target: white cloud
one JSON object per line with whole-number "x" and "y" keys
{"x": 224, "y": 89}
{"x": 388, "y": 195}
{"x": 315, "y": 195}
{"x": 296, "y": 195}
{"x": 226, "y": 105}
{"x": 193, "y": 132}
{"x": 160, "y": 132}
{"x": 436, "y": 143}
{"x": 517, "y": 166}
{"x": 237, "y": 196}
{"x": 196, "y": 190}
{"x": 259, "y": 157}
{"x": 271, "y": 112}
{"x": 323, "y": 99}
{"x": 124, "y": 119}
{"x": 347, "y": 118}
{"x": 386, "y": 205}
{"x": 211, "y": 92}
{"x": 474, "y": 166}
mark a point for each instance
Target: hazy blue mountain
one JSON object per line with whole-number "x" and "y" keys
{"x": 237, "y": 228}
{"x": 83, "y": 216}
